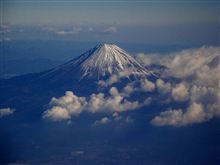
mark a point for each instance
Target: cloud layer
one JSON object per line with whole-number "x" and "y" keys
{"x": 70, "y": 105}
{"x": 197, "y": 88}
{"x": 198, "y": 70}
{"x": 65, "y": 107}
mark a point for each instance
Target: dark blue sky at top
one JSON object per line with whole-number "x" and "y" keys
{"x": 151, "y": 22}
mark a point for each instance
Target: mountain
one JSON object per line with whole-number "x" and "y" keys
{"x": 98, "y": 63}
{"x": 80, "y": 75}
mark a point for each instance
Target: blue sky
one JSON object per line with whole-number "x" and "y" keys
{"x": 132, "y": 21}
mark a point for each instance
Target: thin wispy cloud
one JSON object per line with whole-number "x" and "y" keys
{"x": 6, "y": 112}
{"x": 110, "y": 30}
{"x": 69, "y": 32}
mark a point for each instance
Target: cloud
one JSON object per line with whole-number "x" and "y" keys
{"x": 113, "y": 103}
{"x": 73, "y": 31}
{"x": 110, "y": 30}
{"x": 65, "y": 107}
{"x": 181, "y": 64}
{"x": 194, "y": 114}
{"x": 57, "y": 113}
{"x": 149, "y": 59}
{"x": 116, "y": 116}
{"x": 188, "y": 62}
{"x": 147, "y": 85}
{"x": 163, "y": 87}
{"x": 197, "y": 88}
{"x": 129, "y": 89}
{"x": 180, "y": 92}
{"x": 111, "y": 80}
{"x": 197, "y": 69}
{"x": 6, "y": 111}
{"x": 114, "y": 78}
{"x": 69, "y": 105}
{"x": 102, "y": 121}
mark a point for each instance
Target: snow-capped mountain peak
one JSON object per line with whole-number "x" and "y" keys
{"x": 101, "y": 61}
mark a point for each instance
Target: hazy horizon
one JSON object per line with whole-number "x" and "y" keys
{"x": 148, "y": 22}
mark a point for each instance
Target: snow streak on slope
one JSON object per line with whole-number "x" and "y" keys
{"x": 108, "y": 60}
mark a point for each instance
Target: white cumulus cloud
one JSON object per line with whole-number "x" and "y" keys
{"x": 147, "y": 85}
{"x": 188, "y": 62}
{"x": 113, "y": 103}
{"x": 69, "y": 105}
{"x": 194, "y": 114}
{"x": 198, "y": 70}
{"x": 65, "y": 107}
{"x": 103, "y": 121}
{"x": 163, "y": 87}
{"x": 180, "y": 92}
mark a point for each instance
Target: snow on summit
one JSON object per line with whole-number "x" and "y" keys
{"x": 108, "y": 59}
